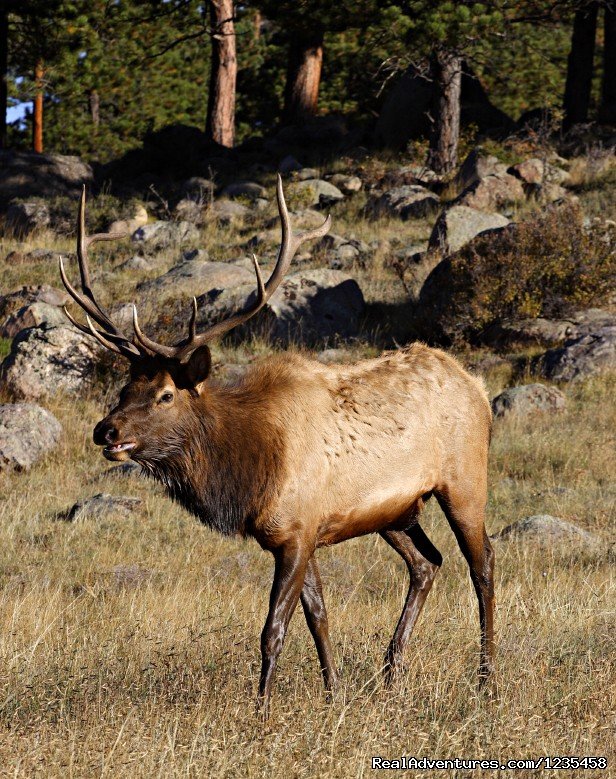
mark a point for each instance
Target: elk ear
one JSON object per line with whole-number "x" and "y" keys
{"x": 197, "y": 369}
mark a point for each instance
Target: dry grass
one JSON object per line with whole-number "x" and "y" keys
{"x": 130, "y": 646}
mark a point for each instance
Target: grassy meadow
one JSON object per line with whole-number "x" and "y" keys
{"x": 129, "y": 646}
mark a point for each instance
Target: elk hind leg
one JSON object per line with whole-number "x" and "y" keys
{"x": 423, "y": 561}
{"x": 466, "y": 518}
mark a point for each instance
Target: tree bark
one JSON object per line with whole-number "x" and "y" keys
{"x": 303, "y": 76}
{"x": 4, "y": 68}
{"x": 607, "y": 113}
{"x": 37, "y": 114}
{"x": 580, "y": 65}
{"x": 220, "y": 122}
{"x": 446, "y": 71}
{"x": 256, "y": 26}
{"x": 94, "y": 104}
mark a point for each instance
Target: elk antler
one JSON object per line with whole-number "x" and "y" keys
{"x": 141, "y": 345}
{"x": 289, "y": 245}
{"x": 111, "y": 337}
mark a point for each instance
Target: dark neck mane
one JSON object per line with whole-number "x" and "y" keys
{"x": 225, "y": 465}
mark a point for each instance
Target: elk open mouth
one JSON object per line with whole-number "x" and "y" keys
{"x": 119, "y": 451}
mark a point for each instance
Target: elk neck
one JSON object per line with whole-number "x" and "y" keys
{"x": 225, "y": 464}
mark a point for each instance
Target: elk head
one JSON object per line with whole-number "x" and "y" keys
{"x": 158, "y": 405}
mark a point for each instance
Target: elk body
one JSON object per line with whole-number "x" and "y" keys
{"x": 300, "y": 455}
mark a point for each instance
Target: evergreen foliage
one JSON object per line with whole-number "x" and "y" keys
{"x": 144, "y": 64}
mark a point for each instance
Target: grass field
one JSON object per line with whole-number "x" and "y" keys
{"x": 130, "y": 647}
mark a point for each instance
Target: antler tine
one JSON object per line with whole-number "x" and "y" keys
{"x": 121, "y": 345}
{"x": 83, "y": 242}
{"x": 111, "y": 338}
{"x": 148, "y": 343}
{"x": 289, "y": 245}
{"x": 99, "y": 337}
{"x": 82, "y": 301}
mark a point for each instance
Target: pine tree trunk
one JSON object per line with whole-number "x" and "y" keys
{"x": 37, "y": 114}
{"x": 580, "y": 65}
{"x": 94, "y": 105}
{"x": 303, "y": 77}
{"x": 608, "y": 87}
{"x": 446, "y": 70}
{"x": 4, "y": 67}
{"x": 220, "y": 122}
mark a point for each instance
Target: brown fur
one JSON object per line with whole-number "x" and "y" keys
{"x": 299, "y": 455}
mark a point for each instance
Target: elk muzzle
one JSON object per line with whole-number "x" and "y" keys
{"x": 108, "y": 434}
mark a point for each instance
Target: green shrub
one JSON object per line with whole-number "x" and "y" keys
{"x": 546, "y": 266}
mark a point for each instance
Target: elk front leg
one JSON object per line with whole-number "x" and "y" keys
{"x": 290, "y": 570}
{"x": 316, "y": 617}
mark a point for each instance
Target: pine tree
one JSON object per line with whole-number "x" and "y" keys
{"x": 580, "y": 65}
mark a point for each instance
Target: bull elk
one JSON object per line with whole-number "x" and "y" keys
{"x": 300, "y": 455}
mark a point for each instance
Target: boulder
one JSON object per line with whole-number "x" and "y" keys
{"x": 346, "y": 184}
{"x": 528, "y": 399}
{"x": 530, "y": 171}
{"x": 197, "y": 188}
{"x": 458, "y": 225}
{"x": 477, "y": 166}
{"x": 413, "y": 264}
{"x": 587, "y": 355}
{"x": 43, "y": 293}
{"x": 492, "y": 192}
{"x": 188, "y": 210}
{"x": 137, "y": 263}
{"x": 247, "y": 189}
{"x": 307, "y": 173}
{"x": 227, "y": 211}
{"x": 125, "y": 470}
{"x": 26, "y": 175}
{"x": 410, "y": 174}
{"x": 551, "y": 534}
{"x": 344, "y": 257}
{"x": 309, "y": 307}
{"x": 342, "y": 253}
{"x": 127, "y": 226}
{"x": 220, "y": 302}
{"x": 103, "y": 506}
{"x": 19, "y": 257}
{"x": 411, "y": 201}
{"x": 316, "y": 305}
{"x": 32, "y": 315}
{"x": 191, "y": 276}
{"x": 23, "y": 219}
{"x": 551, "y": 192}
{"x": 27, "y": 432}
{"x": 318, "y": 192}
{"x": 304, "y": 219}
{"x": 547, "y": 332}
{"x": 46, "y": 360}
{"x": 159, "y": 236}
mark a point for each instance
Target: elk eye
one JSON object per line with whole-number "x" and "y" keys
{"x": 166, "y": 397}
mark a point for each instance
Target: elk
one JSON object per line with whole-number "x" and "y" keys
{"x": 299, "y": 455}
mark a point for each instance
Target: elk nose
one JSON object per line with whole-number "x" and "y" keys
{"x": 105, "y": 433}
